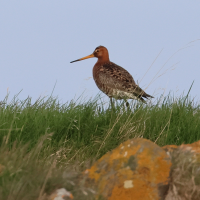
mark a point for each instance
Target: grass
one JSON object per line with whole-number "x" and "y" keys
{"x": 45, "y": 145}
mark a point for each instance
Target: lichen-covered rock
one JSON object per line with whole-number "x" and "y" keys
{"x": 185, "y": 171}
{"x": 194, "y": 147}
{"x": 137, "y": 169}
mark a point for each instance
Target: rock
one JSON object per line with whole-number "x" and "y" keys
{"x": 61, "y": 194}
{"x": 185, "y": 171}
{"x": 137, "y": 169}
{"x": 194, "y": 147}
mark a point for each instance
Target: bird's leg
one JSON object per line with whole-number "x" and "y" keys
{"x": 111, "y": 102}
{"x": 99, "y": 109}
{"x": 127, "y": 104}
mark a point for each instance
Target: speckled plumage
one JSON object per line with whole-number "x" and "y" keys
{"x": 112, "y": 79}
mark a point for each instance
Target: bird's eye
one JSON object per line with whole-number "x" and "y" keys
{"x": 97, "y": 50}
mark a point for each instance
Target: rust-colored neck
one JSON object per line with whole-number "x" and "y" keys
{"x": 103, "y": 60}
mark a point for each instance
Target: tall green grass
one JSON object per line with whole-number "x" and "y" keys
{"x": 43, "y": 140}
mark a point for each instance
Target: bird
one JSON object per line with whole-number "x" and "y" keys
{"x": 113, "y": 80}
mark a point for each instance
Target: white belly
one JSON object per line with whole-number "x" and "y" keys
{"x": 117, "y": 94}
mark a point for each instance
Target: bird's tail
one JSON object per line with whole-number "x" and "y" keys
{"x": 147, "y": 95}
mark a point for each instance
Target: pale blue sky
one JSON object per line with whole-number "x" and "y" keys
{"x": 38, "y": 39}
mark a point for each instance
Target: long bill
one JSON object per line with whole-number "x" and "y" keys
{"x": 86, "y": 57}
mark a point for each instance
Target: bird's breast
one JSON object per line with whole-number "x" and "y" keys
{"x": 97, "y": 69}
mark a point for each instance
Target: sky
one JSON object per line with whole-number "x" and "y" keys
{"x": 158, "y": 42}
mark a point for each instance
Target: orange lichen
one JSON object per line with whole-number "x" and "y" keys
{"x": 194, "y": 147}
{"x": 137, "y": 169}
{"x": 139, "y": 191}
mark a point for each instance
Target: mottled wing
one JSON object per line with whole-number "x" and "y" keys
{"x": 116, "y": 77}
